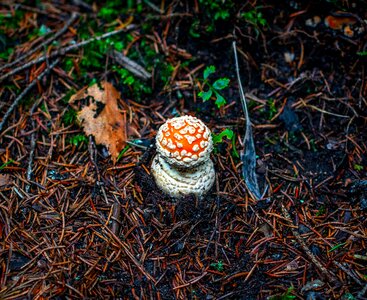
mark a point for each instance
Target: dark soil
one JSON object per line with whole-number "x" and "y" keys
{"x": 75, "y": 224}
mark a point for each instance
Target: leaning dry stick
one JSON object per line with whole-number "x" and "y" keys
{"x": 25, "y": 91}
{"x": 48, "y": 41}
{"x": 131, "y": 65}
{"x": 328, "y": 275}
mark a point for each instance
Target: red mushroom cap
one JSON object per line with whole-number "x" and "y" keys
{"x": 184, "y": 142}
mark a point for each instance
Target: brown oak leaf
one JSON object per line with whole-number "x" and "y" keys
{"x": 100, "y": 117}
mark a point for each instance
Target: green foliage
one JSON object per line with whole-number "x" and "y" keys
{"x": 229, "y": 134}
{"x": 43, "y": 30}
{"x": 69, "y": 117}
{"x": 358, "y": 167}
{"x": 218, "y": 138}
{"x": 78, "y": 139}
{"x": 214, "y": 88}
{"x": 254, "y": 17}
{"x": 216, "y": 9}
{"x": 8, "y": 22}
{"x": 67, "y": 96}
{"x": 137, "y": 86}
{"x": 6, "y": 53}
{"x": 272, "y": 110}
{"x": 123, "y": 151}
{"x": 348, "y": 296}
{"x": 212, "y": 12}
{"x": 11, "y": 21}
{"x": 286, "y": 296}
{"x": 336, "y": 247}
{"x": 218, "y": 266}
{"x": 362, "y": 53}
{"x": 321, "y": 211}
{"x": 4, "y": 165}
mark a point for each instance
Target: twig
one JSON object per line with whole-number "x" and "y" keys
{"x": 347, "y": 270}
{"x": 362, "y": 293}
{"x": 327, "y": 275}
{"x": 48, "y": 41}
{"x": 131, "y": 65}
{"x": 64, "y": 50}
{"x": 93, "y": 157}
{"x": 25, "y": 91}
{"x": 33, "y": 146}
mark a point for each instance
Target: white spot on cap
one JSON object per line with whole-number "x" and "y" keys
{"x": 178, "y": 136}
{"x": 177, "y": 124}
{"x": 167, "y": 134}
{"x": 196, "y": 148}
{"x": 170, "y": 145}
{"x": 206, "y": 134}
{"x": 179, "y": 145}
{"x": 187, "y": 159}
{"x": 202, "y": 144}
{"x": 191, "y": 129}
{"x": 198, "y": 135}
{"x": 183, "y": 131}
{"x": 183, "y": 152}
{"x": 194, "y": 157}
{"x": 190, "y": 139}
{"x": 164, "y": 142}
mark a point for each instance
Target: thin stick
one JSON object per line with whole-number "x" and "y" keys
{"x": 64, "y": 50}
{"x": 327, "y": 275}
{"x": 48, "y": 41}
{"x": 25, "y": 91}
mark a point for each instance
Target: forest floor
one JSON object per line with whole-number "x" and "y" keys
{"x": 80, "y": 214}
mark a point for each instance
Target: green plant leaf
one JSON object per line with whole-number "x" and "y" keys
{"x": 220, "y": 101}
{"x": 358, "y": 167}
{"x": 221, "y": 83}
{"x": 208, "y": 71}
{"x": 218, "y": 138}
{"x": 336, "y": 247}
{"x": 205, "y": 95}
{"x": 4, "y": 165}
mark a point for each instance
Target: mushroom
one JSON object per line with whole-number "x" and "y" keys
{"x": 182, "y": 165}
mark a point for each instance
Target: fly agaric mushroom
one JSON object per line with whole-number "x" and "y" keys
{"x": 182, "y": 165}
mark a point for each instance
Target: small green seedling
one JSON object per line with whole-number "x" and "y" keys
{"x": 358, "y": 167}
{"x": 214, "y": 88}
{"x": 218, "y": 266}
{"x": 255, "y": 17}
{"x": 76, "y": 140}
{"x": 286, "y": 296}
{"x": 4, "y": 165}
{"x": 336, "y": 247}
{"x": 229, "y": 134}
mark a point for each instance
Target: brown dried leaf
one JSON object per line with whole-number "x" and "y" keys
{"x": 99, "y": 115}
{"x": 4, "y": 180}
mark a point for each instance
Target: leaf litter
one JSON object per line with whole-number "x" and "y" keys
{"x": 99, "y": 115}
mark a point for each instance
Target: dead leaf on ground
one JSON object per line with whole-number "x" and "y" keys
{"x": 4, "y": 180}
{"x": 100, "y": 117}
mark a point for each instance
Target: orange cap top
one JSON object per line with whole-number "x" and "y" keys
{"x": 184, "y": 141}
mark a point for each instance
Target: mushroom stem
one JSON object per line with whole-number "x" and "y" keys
{"x": 178, "y": 182}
